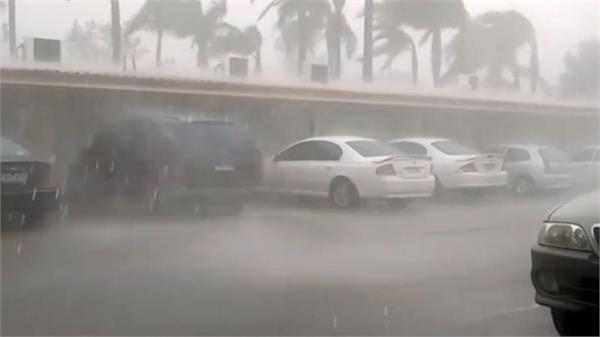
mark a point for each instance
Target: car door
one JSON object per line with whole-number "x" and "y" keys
{"x": 322, "y": 165}
{"x": 288, "y": 172}
{"x": 517, "y": 162}
{"x": 590, "y": 166}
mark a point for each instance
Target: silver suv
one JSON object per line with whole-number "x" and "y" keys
{"x": 534, "y": 167}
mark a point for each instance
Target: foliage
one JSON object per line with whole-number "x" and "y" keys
{"x": 582, "y": 70}
{"x": 90, "y": 42}
{"x": 493, "y": 41}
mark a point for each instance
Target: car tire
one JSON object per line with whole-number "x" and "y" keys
{"x": 343, "y": 193}
{"x": 575, "y": 323}
{"x": 523, "y": 186}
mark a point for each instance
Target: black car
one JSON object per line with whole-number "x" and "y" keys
{"x": 565, "y": 265}
{"x": 160, "y": 165}
{"x": 29, "y": 191}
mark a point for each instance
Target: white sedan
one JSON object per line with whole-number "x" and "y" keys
{"x": 346, "y": 169}
{"x": 454, "y": 165}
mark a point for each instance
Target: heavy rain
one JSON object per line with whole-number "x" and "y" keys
{"x": 299, "y": 167}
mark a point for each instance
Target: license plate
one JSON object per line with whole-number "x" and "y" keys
{"x": 14, "y": 178}
{"x": 223, "y": 168}
{"x": 413, "y": 170}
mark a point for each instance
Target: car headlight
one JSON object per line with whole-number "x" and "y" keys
{"x": 563, "y": 235}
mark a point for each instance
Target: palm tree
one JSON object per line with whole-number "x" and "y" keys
{"x": 391, "y": 41}
{"x": 204, "y": 27}
{"x": 232, "y": 40}
{"x": 336, "y": 32}
{"x": 492, "y": 40}
{"x": 161, "y": 16}
{"x": 299, "y": 22}
{"x": 581, "y": 70}
{"x": 12, "y": 26}
{"x": 432, "y": 16}
{"x": 367, "y": 62}
{"x": 115, "y": 15}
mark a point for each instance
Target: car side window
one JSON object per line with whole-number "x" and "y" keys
{"x": 294, "y": 153}
{"x": 327, "y": 151}
{"x": 516, "y": 155}
{"x": 410, "y": 148}
{"x": 585, "y": 156}
{"x": 311, "y": 150}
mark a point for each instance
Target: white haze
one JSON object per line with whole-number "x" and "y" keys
{"x": 560, "y": 25}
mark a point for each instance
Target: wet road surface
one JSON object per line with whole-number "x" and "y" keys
{"x": 282, "y": 268}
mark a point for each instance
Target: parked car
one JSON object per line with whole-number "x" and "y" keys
{"x": 29, "y": 190}
{"x": 585, "y": 165}
{"x": 564, "y": 268}
{"x": 347, "y": 169}
{"x": 534, "y": 167}
{"x": 456, "y": 166}
{"x": 163, "y": 165}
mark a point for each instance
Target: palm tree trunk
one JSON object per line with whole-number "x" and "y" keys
{"x": 202, "y": 55}
{"x": 159, "y": 36}
{"x": 516, "y": 76}
{"x": 338, "y": 58}
{"x": 12, "y": 28}
{"x": 367, "y": 69}
{"x": 257, "y": 61}
{"x": 414, "y": 63}
{"x": 301, "y": 43}
{"x": 534, "y": 63}
{"x": 494, "y": 76}
{"x": 115, "y": 30}
{"x": 436, "y": 55}
{"x": 334, "y": 56}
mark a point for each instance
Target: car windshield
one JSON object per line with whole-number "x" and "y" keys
{"x": 451, "y": 147}
{"x": 12, "y": 149}
{"x": 552, "y": 155}
{"x": 371, "y": 148}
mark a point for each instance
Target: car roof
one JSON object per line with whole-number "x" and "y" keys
{"x": 591, "y": 147}
{"x": 525, "y": 146}
{"x": 336, "y": 139}
{"x": 426, "y": 140}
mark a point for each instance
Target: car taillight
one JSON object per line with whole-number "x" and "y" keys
{"x": 470, "y": 167}
{"x": 385, "y": 170}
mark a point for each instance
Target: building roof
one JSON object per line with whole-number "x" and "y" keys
{"x": 251, "y": 88}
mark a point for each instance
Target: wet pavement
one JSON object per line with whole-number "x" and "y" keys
{"x": 458, "y": 267}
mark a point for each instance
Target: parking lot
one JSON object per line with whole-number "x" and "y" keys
{"x": 450, "y": 267}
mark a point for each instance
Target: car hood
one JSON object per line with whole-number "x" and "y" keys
{"x": 583, "y": 210}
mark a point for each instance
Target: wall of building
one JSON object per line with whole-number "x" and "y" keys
{"x": 60, "y": 121}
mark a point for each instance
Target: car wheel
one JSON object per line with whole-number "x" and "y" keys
{"x": 575, "y": 323}
{"x": 523, "y": 186}
{"x": 343, "y": 193}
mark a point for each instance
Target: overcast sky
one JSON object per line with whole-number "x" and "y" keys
{"x": 560, "y": 25}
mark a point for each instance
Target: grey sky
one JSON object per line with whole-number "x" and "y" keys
{"x": 560, "y": 25}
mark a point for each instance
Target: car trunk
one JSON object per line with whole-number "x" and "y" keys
{"x": 215, "y": 155}
{"x": 483, "y": 163}
{"x": 24, "y": 175}
{"x": 407, "y": 166}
